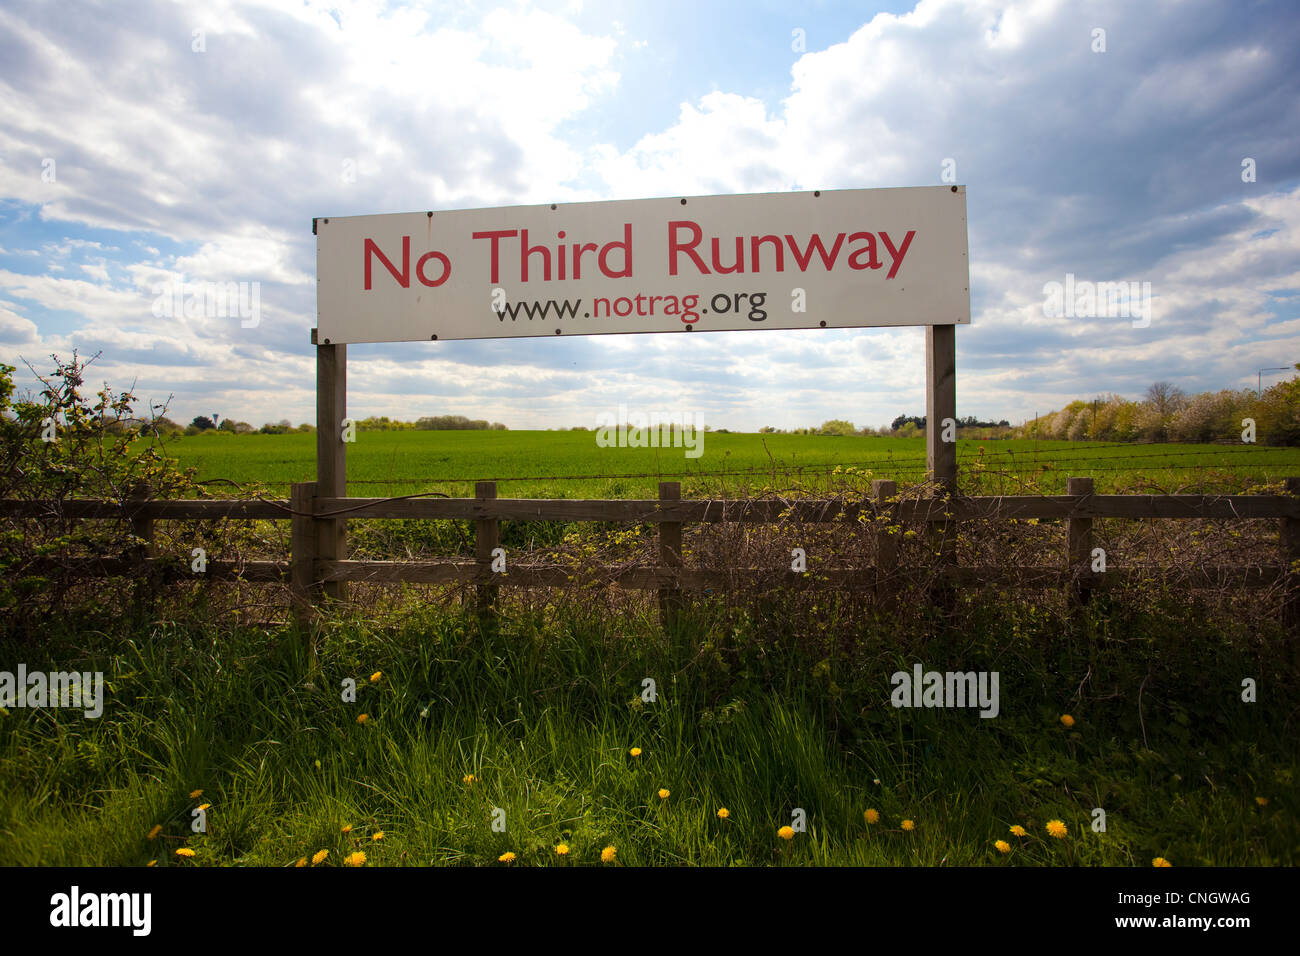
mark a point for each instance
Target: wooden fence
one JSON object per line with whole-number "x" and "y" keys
{"x": 316, "y": 573}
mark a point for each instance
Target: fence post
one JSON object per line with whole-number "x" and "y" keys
{"x": 1290, "y": 548}
{"x": 303, "y": 589}
{"x": 670, "y": 555}
{"x": 302, "y": 550}
{"x": 882, "y": 489}
{"x": 487, "y": 537}
{"x": 141, "y": 526}
{"x": 1078, "y": 548}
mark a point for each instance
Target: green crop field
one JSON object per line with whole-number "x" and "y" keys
{"x": 556, "y": 464}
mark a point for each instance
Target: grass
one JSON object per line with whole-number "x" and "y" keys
{"x": 762, "y": 716}
{"x": 532, "y": 464}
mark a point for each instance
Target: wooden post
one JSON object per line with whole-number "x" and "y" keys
{"x": 488, "y": 536}
{"x": 141, "y": 526}
{"x": 940, "y": 403}
{"x": 1290, "y": 554}
{"x": 940, "y": 455}
{"x": 882, "y": 489}
{"x": 1078, "y": 547}
{"x": 303, "y": 590}
{"x": 302, "y": 551}
{"x": 670, "y": 555}
{"x": 331, "y": 454}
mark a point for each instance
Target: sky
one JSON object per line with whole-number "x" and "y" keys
{"x": 153, "y": 142}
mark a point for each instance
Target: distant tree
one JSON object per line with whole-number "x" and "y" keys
{"x": 203, "y": 423}
{"x": 837, "y": 427}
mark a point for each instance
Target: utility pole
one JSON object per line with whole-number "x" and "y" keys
{"x": 1259, "y": 379}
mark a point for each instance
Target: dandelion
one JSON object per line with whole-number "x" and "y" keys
{"x": 355, "y": 859}
{"x": 185, "y": 852}
{"x": 347, "y": 828}
{"x": 1002, "y": 845}
{"x": 786, "y": 833}
{"x": 1067, "y": 721}
{"x": 872, "y": 816}
{"x": 562, "y": 850}
{"x": 152, "y": 863}
{"x": 205, "y": 806}
{"x": 663, "y": 794}
{"x": 724, "y": 813}
{"x": 908, "y": 825}
{"x": 635, "y": 751}
{"x": 1018, "y": 830}
{"x": 506, "y": 857}
{"x": 377, "y": 836}
{"x": 1160, "y": 861}
{"x": 1056, "y": 828}
{"x": 153, "y": 834}
{"x": 319, "y": 857}
{"x": 302, "y": 861}
{"x": 1262, "y": 801}
{"x": 362, "y": 718}
{"x": 196, "y": 794}
{"x": 468, "y": 779}
{"x": 374, "y": 678}
{"x": 607, "y": 854}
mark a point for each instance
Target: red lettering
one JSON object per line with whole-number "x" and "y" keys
{"x": 855, "y": 259}
{"x": 404, "y": 277}
{"x": 689, "y": 248}
{"x": 815, "y": 243}
{"x": 496, "y": 236}
{"x": 896, "y": 254}
{"x": 446, "y": 268}
{"x": 626, "y": 246}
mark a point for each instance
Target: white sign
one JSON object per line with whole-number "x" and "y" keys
{"x": 830, "y": 259}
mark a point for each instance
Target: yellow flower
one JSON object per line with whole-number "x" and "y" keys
{"x": 786, "y": 833}
{"x": 1160, "y": 861}
{"x": 374, "y": 678}
{"x": 562, "y": 849}
{"x": 468, "y": 779}
{"x": 1017, "y": 830}
{"x": 663, "y": 794}
{"x": 319, "y": 857}
{"x": 377, "y": 836}
{"x": 908, "y": 825}
{"x": 205, "y": 806}
{"x": 347, "y": 828}
{"x": 355, "y": 859}
{"x": 153, "y": 834}
{"x": 607, "y": 854}
{"x": 1067, "y": 720}
{"x": 1002, "y": 845}
{"x": 152, "y": 863}
{"x": 362, "y": 718}
{"x": 196, "y": 794}
{"x": 872, "y": 816}
{"x": 1056, "y": 828}
{"x": 302, "y": 861}
{"x": 724, "y": 813}
{"x": 635, "y": 751}
{"x": 185, "y": 851}
{"x": 506, "y": 857}
{"x": 1262, "y": 801}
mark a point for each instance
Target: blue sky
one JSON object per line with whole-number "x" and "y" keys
{"x": 128, "y": 158}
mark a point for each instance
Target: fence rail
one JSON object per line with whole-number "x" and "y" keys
{"x": 316, "y": 570}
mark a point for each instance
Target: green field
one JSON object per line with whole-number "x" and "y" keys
{"x": 541, "y": 464}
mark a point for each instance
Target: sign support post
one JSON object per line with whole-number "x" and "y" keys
{"x": 331, "y": 453}
{"x": 940, "y": 404}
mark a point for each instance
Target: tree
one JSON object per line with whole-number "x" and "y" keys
{"x": 203, "y": 423}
